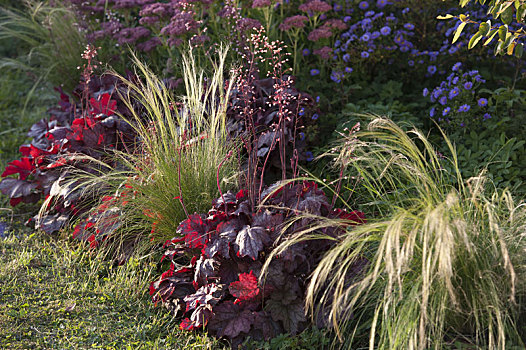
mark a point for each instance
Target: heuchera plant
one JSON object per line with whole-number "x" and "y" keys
{"x": 72, "y": 132}
{"x": 216, "y": 260}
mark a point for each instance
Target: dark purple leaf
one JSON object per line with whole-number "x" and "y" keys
{"x": 204, "y": 269}
{"x": 14, "y": 188}
{"x": 209, "y": 294}
{"x": 251, "y": 241}
{"x": 230, "y": 320}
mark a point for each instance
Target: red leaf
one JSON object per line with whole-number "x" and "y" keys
{"x": 246, "y": 288}
{"x": 187, "y": 324}
{"x": 354, "y": 217}
{"x": 22, "y": 166}
{"x": 104, "y": 105}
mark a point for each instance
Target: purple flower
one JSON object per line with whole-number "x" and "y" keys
{"x": 452, "y": 50}
{"x": 337, "y": 7}
{"x": 446, "y": 111}
{"x": 385, "y": 30}
{"x": 336, "y": 76}
{"x": 348, "y": 70}
{"x": 346, "y": 19}
{"x": 482, "y": 102}
{"x": 454, "y": 93}
{"x": 431, "y": 69}
{"x": 456, "y": 66}
{"x": 409, "y": 26}
{"x": 293, "y": 22}
{"x": 319, "y": 33}
{"x": 464, "y": 108}
{"x": 365, "y": 37}
{"x": 486, "y": 116}
{"x": 301, "y": 112}
{"x": 432, "y": 112}
{"x": 365, "y": 54}
{"x": 302, "y": 136}
{"x": 315, "y": 115}
{"x": 260, "y": 3}
{"x": 425, "y": 92}
{"x": 369, "y": 13}
{"x": 406, "y": 10}
{"x": 411, "y": 63}
{"x": 324, "y": 52}
{"x": 305, "y": 52}
{"x": 314, "y": 72}
{"x": 364, "y": 5}
{"x": 381, "y": 3}
{"x": 454, "y": 81}
{"x": 315, "y": 6}
{"x": 442, "y": 100}
{"x": 309, "y": 156}
{"x": 468, "y": 85}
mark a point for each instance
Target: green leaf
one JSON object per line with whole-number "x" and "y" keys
{"x": 507, "y": 15}
{"x": 519, "y": 50}
{"x": 503, "y": 31}
{"x": 458, "y": 32}
{"x": 474, "y": 40}
{"x": 491, "y": 35}
{"x": 485, "y": 27}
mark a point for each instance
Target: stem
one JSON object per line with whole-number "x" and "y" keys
{"x": 217, "y": 178}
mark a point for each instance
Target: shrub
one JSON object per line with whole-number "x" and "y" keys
{"x": 216, "y": 259}
{"x": 444, "y": 261}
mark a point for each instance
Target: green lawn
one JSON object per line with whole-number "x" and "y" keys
{"x": 56, "y": 295}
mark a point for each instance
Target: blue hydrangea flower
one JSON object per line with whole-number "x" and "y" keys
{"x": 385, "y": 30}
{"x": 365, "y": 54}
{"x": 446, "y": 111}
{"x": 482, "y": 102}
{"x": 456, "y": 66}
{"x": 454, "y": 93}
{"x": 314, "y": 72}
{"x": 431, "y": 69}
{"x": 464, "y": 108}
{"x": 364, "y": 5}
{"x": 468, "y": 85}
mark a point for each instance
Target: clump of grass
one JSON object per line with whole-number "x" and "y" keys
{"x": 183, "y": 159}
{"x": 445, "y": 259}
{"x": 51, "y": 40}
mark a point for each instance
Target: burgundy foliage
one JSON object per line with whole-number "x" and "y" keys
{"x": 73, "y": 131}
{"x": 216, "y": 261}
